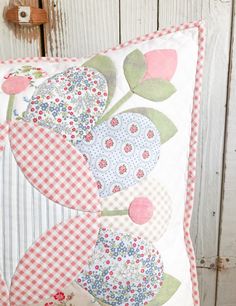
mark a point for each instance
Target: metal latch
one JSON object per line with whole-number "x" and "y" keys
{"x": 26, "y": 15}
{"x": 219, "y": 263}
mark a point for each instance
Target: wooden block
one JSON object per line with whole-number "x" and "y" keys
{"x": 26, "y": 15}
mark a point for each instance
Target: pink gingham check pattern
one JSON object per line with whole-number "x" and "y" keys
{"x": 54, "y": 260}
{"x": 3, "y": 135}
{"x": 54, "y": 166}
{"x": 3, "y": 293}
{"x": 154, "y": 229}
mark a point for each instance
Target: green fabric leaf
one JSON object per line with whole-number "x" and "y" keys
{"x": 168, "y": 289}
{"x": 155, "y": 89}
{"x": 37, "y": 75}
{"x": 165, "y": 126}
{"x": 102, "y": 304}
{"x": 104, "y": 65}
{"x": 26, "y": 68}
{"x": 134, "y": 67}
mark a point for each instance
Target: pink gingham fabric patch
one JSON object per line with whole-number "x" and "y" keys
{"x": 159, "y": 201}
{"x": 3, "y": 135}
{"x": 3, "y": 293}
{"x": 53, "y": 166}
{"x": 54, "y": 261}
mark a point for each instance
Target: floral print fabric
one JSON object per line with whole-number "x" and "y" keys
{"x": 69, "y": 102}
{"x": 124, "y": 270}
{"x": 121, "y": 151}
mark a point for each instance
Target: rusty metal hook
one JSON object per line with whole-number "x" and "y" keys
{"x": 26, "y": 15}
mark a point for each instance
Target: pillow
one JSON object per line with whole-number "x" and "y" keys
{"x": 97, "y": 174}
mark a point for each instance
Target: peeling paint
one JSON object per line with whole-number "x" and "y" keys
{"x": 27, "y": 33}
{"x": 54, "y": 30}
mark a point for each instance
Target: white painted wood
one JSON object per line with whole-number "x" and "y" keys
{"x": 226, "y": 293}
{"x": 18, "y": 41}
{"x": 81, "y": 28}
{"x": 137, "y": 17}
{"x": 205, "y": 220}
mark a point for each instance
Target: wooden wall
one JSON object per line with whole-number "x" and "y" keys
{"x": 83, "y": 27}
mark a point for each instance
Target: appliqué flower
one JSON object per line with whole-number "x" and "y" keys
{"x": 29, "y": 72}
{"x": 15, "y": 84}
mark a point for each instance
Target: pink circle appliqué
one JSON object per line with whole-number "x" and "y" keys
{"x": 141, "y": 210}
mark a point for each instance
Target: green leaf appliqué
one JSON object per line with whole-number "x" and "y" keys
{"x": 165, "y": 126}
{"x": 134, "y": 68}
{"x": 104, "y": 65}
{"x": 168, "y": 289}
{"x": 155, "y": 89}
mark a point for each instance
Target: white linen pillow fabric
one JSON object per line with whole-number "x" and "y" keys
{"x": 98, "y": 159}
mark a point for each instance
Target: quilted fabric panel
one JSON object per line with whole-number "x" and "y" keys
{"x": 98, "y": 166}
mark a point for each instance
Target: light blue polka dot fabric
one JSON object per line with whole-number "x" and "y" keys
{"x": 121, "y": 151}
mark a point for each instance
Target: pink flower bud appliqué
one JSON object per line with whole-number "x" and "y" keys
{"x": 15, "y": 85}
{"x": 160, "y": 64}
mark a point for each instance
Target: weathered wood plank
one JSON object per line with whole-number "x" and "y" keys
{"x": 226, "y": 293}
{"x": 81, "y": 28}
{"x": 205, "y": 220}
{"x": 137, "y": 17}
{"x": 18, "y": 41}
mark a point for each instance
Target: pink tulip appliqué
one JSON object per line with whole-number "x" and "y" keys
{"x": 160, "y": 64}
{"x": 148, "y": 76}
{"x": 17, "y": 82}
{"x": 13, "y": 86}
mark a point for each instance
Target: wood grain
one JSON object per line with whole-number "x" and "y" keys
{"x": 226, "y": 293}
{"x": 205, "y": 222}
{"x": 82, "y": 28}
{"x": 137, "y": 17}
{"x": 18, "y": 41}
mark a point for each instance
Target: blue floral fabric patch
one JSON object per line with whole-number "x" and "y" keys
{"x": 123, "y": 269}
{"x": 70, "y": 102}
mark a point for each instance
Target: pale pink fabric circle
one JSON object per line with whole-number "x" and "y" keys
{"x": 141, "y": 210}
{"x": 15, "y": 84}
{"x": 160, "y": 64}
